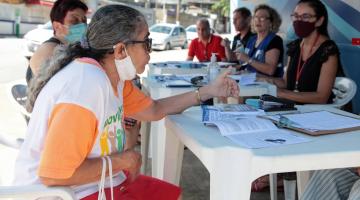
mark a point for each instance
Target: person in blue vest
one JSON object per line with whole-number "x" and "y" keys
{"x": 264, "y": 51}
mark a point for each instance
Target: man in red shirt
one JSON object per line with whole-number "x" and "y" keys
{"x": 205, "y": 44}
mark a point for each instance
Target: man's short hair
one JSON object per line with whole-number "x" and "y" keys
{"x": 243, "y": 11}
{"x": 204, "y": 21}
{"x": 61, "y": 7}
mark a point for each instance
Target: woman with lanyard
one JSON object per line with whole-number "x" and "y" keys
{"x": 313, "y": 59}
{"x": 264, "y": 51}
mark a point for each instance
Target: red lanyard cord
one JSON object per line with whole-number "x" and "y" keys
{"x": 298, "y": 68}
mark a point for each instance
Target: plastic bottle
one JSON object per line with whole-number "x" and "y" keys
{"x": 239, "y": 48}
{"x": 213, "y": 68}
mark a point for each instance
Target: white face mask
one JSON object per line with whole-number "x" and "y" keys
{"x": 125, "y": 68}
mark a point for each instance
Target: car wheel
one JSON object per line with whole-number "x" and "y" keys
{"x": 167, "y": 46}
{"x": 185, "y": 45}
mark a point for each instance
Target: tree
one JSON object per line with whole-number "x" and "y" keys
{"x": 222, "y": 7}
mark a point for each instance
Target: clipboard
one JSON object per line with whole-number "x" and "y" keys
{"x": 316, "y": 132}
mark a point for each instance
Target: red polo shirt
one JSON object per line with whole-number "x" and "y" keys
{"x": 203, "y": 53}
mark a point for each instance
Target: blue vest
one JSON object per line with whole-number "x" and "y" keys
{"x": 259, "y": 54}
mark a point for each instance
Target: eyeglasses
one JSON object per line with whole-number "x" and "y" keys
{"x": 261, "y": 19}
{"x": 147, "y": 42}
{"x": 303, "y": 17}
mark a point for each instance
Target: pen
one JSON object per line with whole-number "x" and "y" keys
{"x": 280, "y": 141}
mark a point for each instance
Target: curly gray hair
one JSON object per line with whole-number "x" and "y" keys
{"x": 274, "y": 17}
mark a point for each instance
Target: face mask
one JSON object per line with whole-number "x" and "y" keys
{"x": 125, "y": 68}
{"x": 75, "y": 33}
{"x": 303, "y": 29}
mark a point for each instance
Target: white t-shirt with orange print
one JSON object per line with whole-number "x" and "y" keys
{"x": 77, "y": 115}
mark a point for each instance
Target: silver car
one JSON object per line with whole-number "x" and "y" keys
{"x": 166, "y": 36}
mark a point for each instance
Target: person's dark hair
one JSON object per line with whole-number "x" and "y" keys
{"x": 205, "y": 22}
{"x": 274, "y": 16}
{"x": 110, "y": 25}
{"x": 320, "y": 10}
{"x": 243, "y": 11}
{"x": 61, "y": 7}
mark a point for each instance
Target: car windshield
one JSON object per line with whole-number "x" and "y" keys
{"x": 191, "y": 29}
{"x": 161, "y": 29}
{"x": 48, "y": 26}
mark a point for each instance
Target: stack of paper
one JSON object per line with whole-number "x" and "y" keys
{"x": 243, "y": 127}
{"x": 245, "y": 79}
{"x": 318, "y": 122}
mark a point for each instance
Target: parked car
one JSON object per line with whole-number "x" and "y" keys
{"x": 35, "y": 37}
{"x": 192, "y": 34}
{"x": 166, "y": 36}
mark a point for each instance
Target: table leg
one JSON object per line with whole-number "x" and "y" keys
{"x": 230, "y": 176}
{"x": 273, "y": 186}
{"x": 174, "y": 151}
{"x": 303, "y": 178}
{"x": 158, "y": 148}
{"x": 145, "y": 139}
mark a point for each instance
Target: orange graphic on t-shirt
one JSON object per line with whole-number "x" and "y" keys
{"x": 103, "y": 142}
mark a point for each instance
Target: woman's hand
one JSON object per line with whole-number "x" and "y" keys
{"x": 225, "y": 42}
{"x": 243, "y": 57}
{"x": 224, "y": 86}
{"x": 129, "y": 160}
{"x": 132, "y": 131}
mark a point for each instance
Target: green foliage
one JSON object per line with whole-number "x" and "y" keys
{"x": 222, "y": 7}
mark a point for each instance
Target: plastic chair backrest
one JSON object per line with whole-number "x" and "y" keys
{"x": 344, "y": 90}
{"x": 349, "y": 55}
{"x": 19, "y": 94}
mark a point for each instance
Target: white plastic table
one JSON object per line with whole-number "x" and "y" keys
{"x": 232, "y": 168}
{"x": 157, "y": 129}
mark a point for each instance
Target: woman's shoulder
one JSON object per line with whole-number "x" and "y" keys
{"x": 277, "y": 38}
{"x": 328, "y": 48}
{"x": 292, "y": 46}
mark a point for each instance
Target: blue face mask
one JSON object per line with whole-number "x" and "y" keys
{"x": 76, "y": 32}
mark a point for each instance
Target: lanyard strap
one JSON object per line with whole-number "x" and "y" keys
{"x": 298, "y": 68}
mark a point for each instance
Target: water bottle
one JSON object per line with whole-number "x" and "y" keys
{"x": 213, "y": 68}
{"x": 239, "y": 48}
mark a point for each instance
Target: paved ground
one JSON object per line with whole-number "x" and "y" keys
{"x": 194, "y": 179}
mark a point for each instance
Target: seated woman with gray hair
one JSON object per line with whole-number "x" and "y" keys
{"x": 76, "y": 133}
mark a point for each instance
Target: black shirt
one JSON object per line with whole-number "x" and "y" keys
{"x": 309, "y": 77}
{"x": 243, "y": 41}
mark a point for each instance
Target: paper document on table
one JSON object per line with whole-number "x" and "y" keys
{"x": 317, "y": 122}
{"x": 228, "y": 111}
{"x": 244, "y": 126}
{"x": 323, "y": 120}
{"x": 245, "y": 79}
{"x": 268, "y": 139}
{"x": 247, "y": 129}
{"x": 177, "y": 83}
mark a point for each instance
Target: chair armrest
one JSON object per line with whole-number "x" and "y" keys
{"x": 35, "y": 192}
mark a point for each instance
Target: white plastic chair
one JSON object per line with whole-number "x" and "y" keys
{"x": 30, "y": 192}
{"x": 344, "y": 90}
{"x": 19, "y": 97}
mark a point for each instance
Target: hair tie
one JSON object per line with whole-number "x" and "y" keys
{"x": 84, "y": 42}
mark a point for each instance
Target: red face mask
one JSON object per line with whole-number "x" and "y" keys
{"x": 303, "y": 29}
